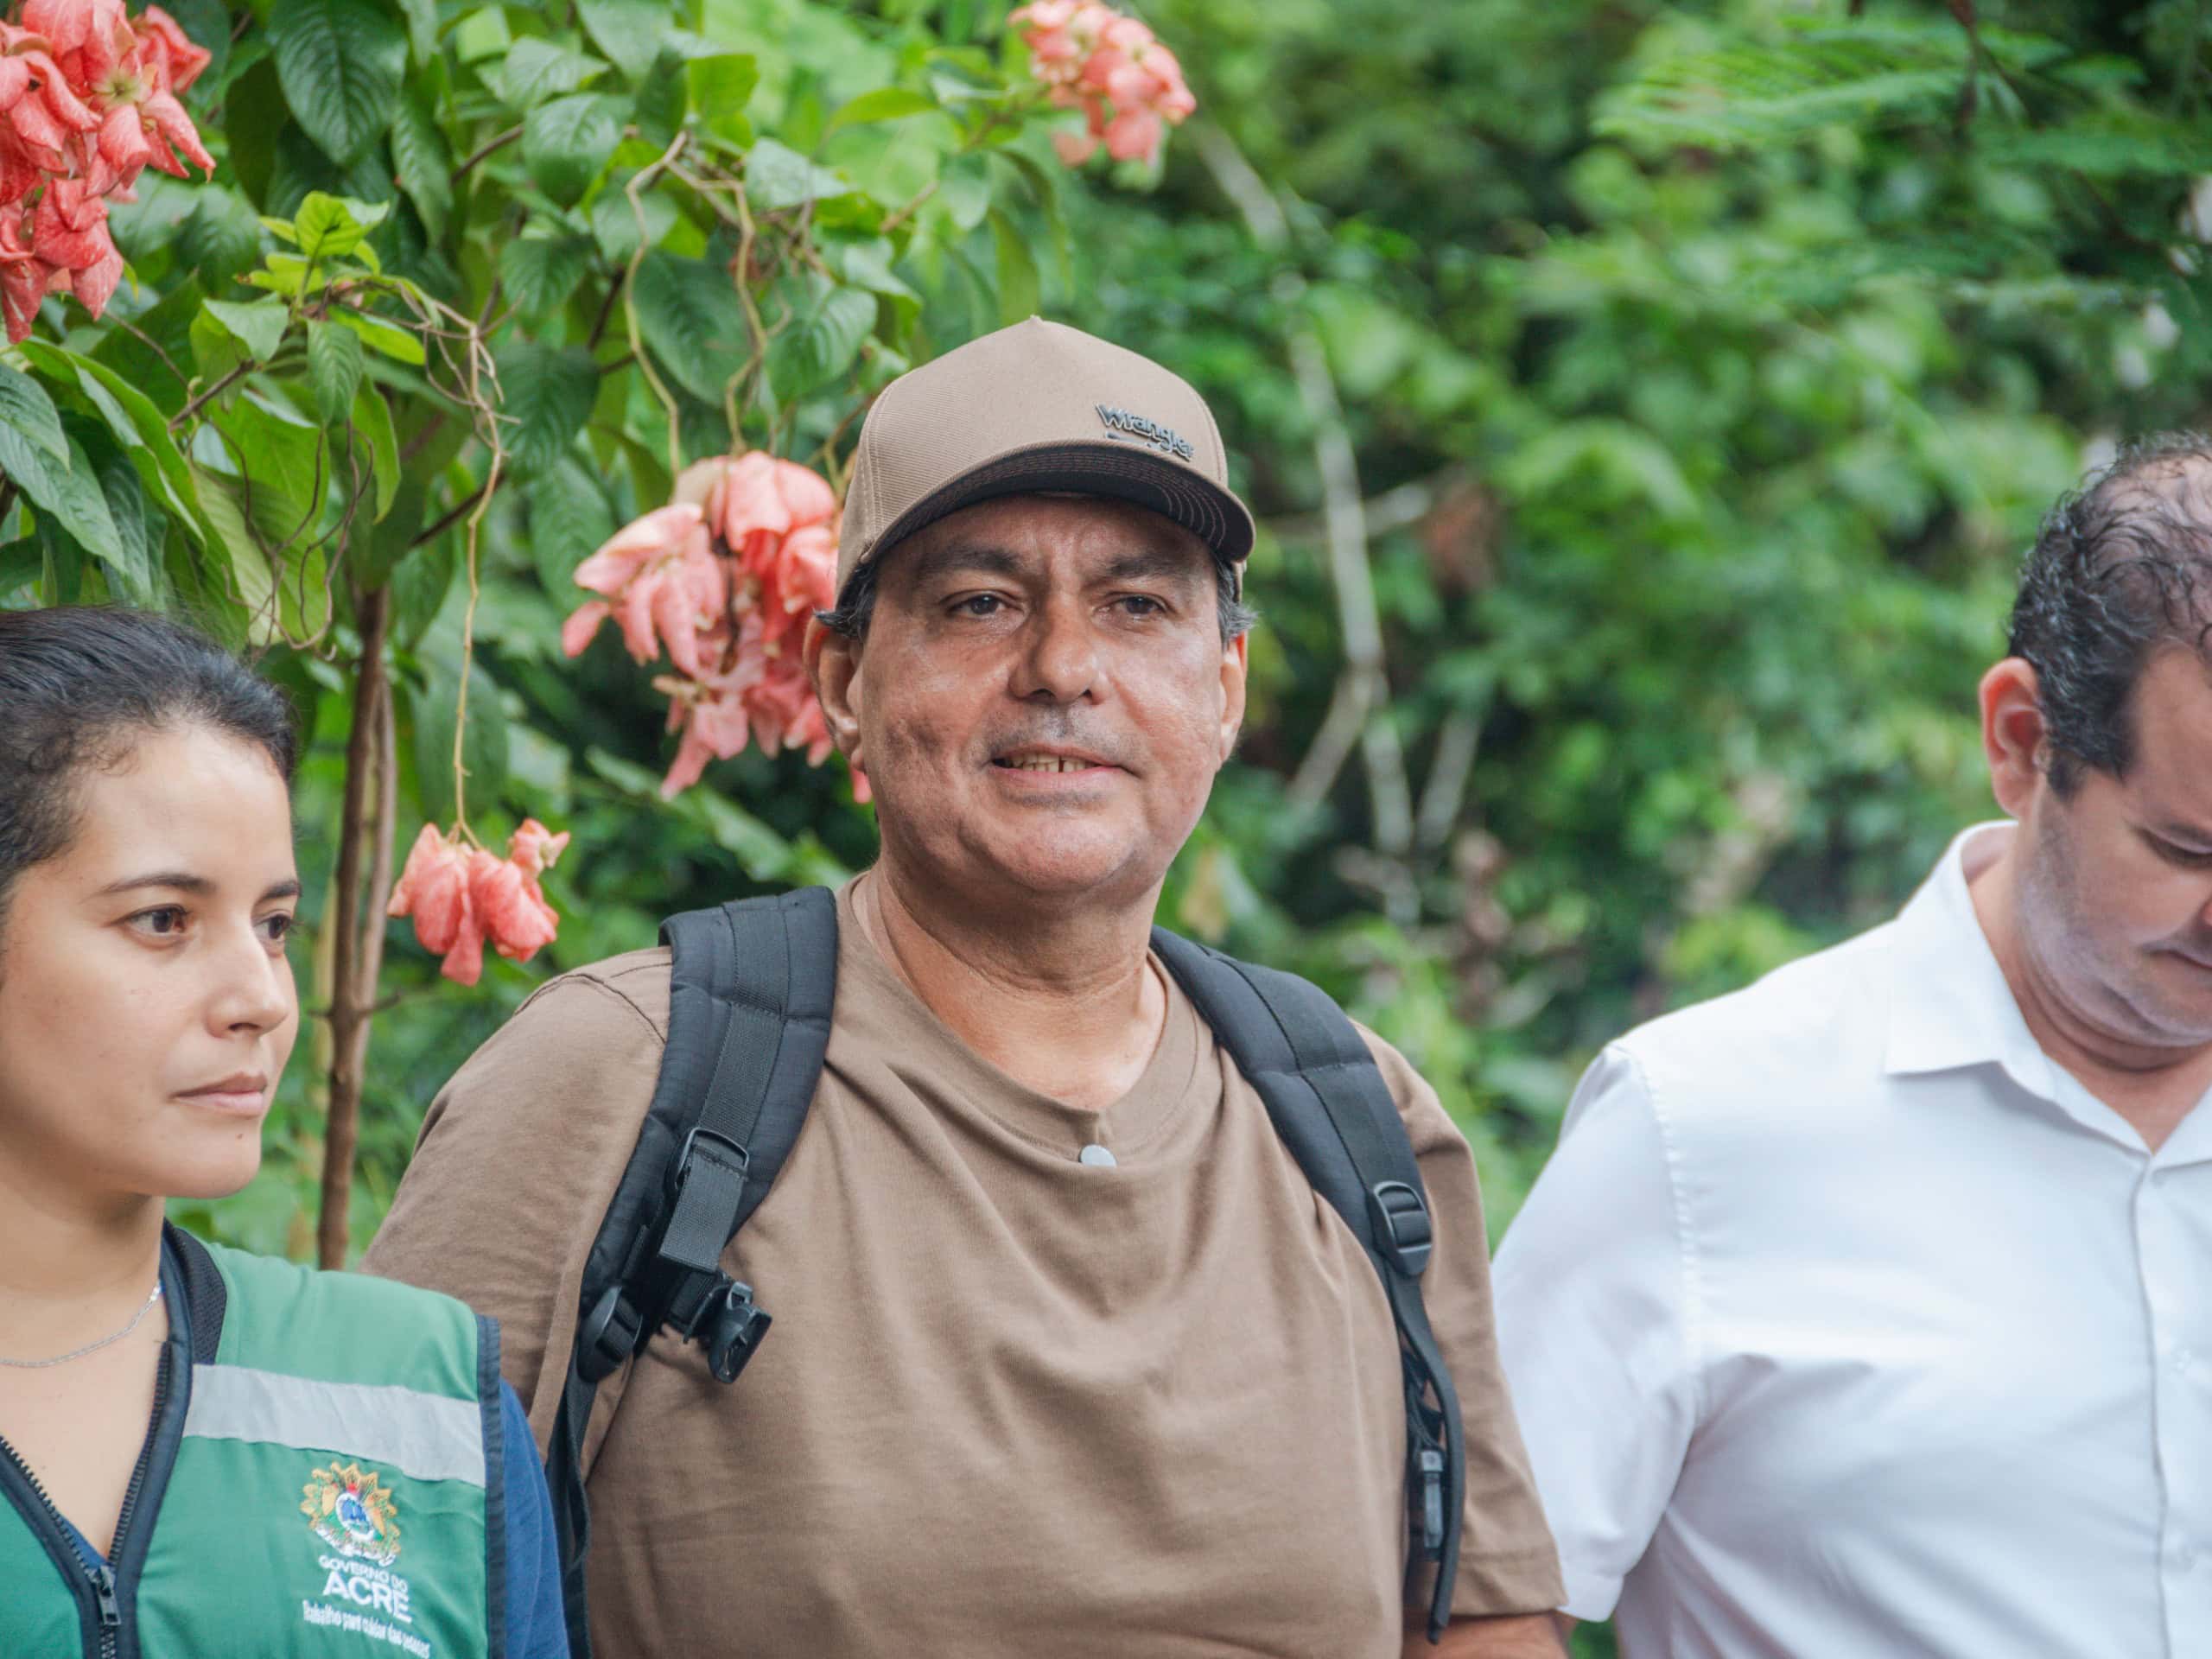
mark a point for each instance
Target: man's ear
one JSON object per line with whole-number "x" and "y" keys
{"x": 833, "y": 663}
{"x": 1235, "y": 664}
{"x": 2014, "y": 736}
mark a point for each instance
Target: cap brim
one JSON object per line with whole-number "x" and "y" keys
{"x": 1125, "y": 473}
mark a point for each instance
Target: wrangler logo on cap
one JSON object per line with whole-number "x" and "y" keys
{"x": 1121, "y": 424}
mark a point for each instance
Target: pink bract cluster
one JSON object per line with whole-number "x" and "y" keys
{"x": 88, "y": 100}
{"x": 461, "y": 895}
{"x": 723, "y": 580}
{"x": 1090, "y": 56}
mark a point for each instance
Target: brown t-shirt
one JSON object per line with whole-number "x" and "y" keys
{"x": 1013, "y": 1404}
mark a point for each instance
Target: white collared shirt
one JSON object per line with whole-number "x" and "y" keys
{"x": 1844, "y": 1322}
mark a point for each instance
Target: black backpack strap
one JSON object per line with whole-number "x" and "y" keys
{"x": 1329, "y": 1103}
{"x": 750, "y": 993}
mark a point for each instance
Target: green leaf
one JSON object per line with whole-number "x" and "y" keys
{"x": 534, "y": 71}
{"x": 616, "y": 225}
{"x": 422, "y": 29}
{"x": 20, "y": 562}
{"x": 663, "y": 100}
{"x": 287, "y": 465}
{"x": 542, "y": 273}
{"x": 341, "y": 64}
{"x": 259, "y": 327}
{"x": 422, "y": 164}
{"x": 25, "y": 406}
{"x": 249, "y": 576}
{"x": 820, "y": 343}
{"x": 631, "y": 32}
{"x": 566, "y": 143}
{"x": 569, "y": 520}
{"x": 372, "y": 421}
{"x": 884, "y": 104}
{"x": 691, "y": 318}
{"x": 377, "y": 335}
{"x": 333, "y": 369}
{"x": 68, "y": 490}
{"x": 547, "y": 391}
{"x": 437, "y": 712}
{"x": 965, "y": 188}
{"x": 221, "y": 238}
{"x": 721, "y": 87}
{"x": 1019, "y": 292}
{"x": 138, "y": 524}
{"x": 867, "y": 264}
{"x": 177, "y": 486}
{"x": 330, "y": 227}
{"x": 778, "y": 176}
{"x": 420, "y": 582}
{"x": 760, "y": 851}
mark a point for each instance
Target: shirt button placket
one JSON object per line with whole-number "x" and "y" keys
{"x": 2182, "y": 1402}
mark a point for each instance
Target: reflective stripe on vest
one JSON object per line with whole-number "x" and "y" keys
{"x": 429, "y": 1436}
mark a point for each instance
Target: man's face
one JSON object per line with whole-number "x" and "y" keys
{"x": 1043, "y": 697}
{"x": 2118, "y": 897}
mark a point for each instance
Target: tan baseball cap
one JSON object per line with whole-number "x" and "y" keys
{"x": 1035, "y": 408}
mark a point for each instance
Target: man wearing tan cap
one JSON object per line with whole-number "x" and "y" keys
{"x": 1072, "y": 1355}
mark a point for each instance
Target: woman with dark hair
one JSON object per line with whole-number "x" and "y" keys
{"x": 203, "y": 1451}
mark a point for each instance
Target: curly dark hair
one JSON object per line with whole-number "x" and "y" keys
{"x": 80, "y": 683}
{"x": 2121, "y": 571}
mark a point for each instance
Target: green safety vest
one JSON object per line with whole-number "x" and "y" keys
{"x": 322, "y": 1477}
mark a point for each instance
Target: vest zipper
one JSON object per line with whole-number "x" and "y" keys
{"x": 99, "y": 1586}
{"x": 111, "y": 1607}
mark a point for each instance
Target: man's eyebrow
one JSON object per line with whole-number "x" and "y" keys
{"x": 1151, "y": 564}
{"x": 933, "y": 563}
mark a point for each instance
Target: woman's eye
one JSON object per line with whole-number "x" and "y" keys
{"x": 276, "y": 928}
{"x": 166, "y": 922}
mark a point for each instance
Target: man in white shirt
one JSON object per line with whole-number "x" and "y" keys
{"x": 1868, "y": 1312}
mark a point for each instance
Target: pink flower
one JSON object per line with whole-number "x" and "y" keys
{"x": 1092, "y": 58}
{"x": 461, "y": 895}
{"x": 434, "y": 888}
{"x": 87, "y": 102}
{"x": 668, "y": 587}
{"x": 769, "y": 529}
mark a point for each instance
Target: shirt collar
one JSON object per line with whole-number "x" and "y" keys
{"x": 1950, "y": 1003}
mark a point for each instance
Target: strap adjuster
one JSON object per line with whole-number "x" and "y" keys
{"x": 1402, "y": 1232}
{"x": 730, "y": 1326}
{"x": 608, "y": 1336}
{"x": 720, "y": 1149}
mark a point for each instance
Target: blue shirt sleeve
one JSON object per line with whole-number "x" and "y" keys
{"x": 537, "y": 1627}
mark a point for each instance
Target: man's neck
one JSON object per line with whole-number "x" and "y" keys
{"x": 70, "y": 1272}
{"x": 2152, "y": 1086}
{"x": 1066, "y": 1004}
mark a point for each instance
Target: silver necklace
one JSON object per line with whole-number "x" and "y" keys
{"x": 90, "y": 1347}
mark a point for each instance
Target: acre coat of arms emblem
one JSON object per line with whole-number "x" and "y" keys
{"x": 348, "y": 1509}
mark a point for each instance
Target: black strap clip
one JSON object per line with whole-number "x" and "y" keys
{"x": 609, "y": 1335}
{"x": 730, "y": 1325}
{"x": 1401, "y": 1227}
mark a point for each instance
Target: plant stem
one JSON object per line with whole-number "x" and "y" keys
{"x": 357, "y": 946}
{"x": 488, "y": 147}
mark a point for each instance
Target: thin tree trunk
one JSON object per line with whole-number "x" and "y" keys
{"x": 364, "y": 837}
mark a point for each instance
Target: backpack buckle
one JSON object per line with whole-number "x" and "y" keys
{"x": 608, "y": 1336}
{"x": 730, "y": 1326}
{"x": 1402, "y": 1226}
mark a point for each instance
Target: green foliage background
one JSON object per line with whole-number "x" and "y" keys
{"x": 1702, "y": 370}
